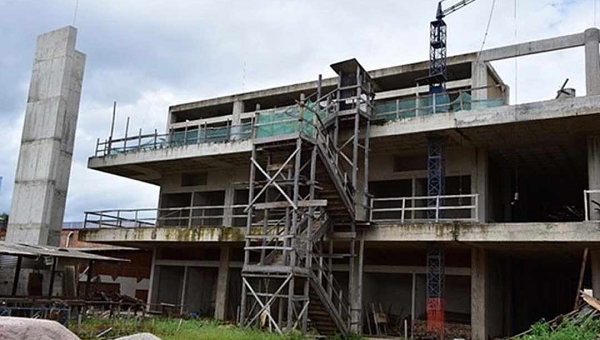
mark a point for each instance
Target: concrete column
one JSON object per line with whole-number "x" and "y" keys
{"x": 356, "y": 284}
{"x": 593, "y": 147}
{"x": 228, "y": 210}
{"x": 236, "y": 118}
{"x": 154, "y": 279}
{"x": 480, "y": 183}
{"x": 479, "y": 264}
{"x": 42, "y": 178}
{"x": 595, "y": 264}
{"x": 222, "y": 284}
{"x": 592, "y": 61}
{"x": 479, "y": 78}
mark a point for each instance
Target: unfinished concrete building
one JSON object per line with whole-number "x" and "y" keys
{"x": 307, "y": 205}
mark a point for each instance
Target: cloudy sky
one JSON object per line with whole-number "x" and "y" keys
{"x": 149, "y": 54}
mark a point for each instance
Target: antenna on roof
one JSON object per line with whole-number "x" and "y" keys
{"x": 244, "y": 77}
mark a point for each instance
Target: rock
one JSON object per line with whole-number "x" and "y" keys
{"x": 140, "y": 336}
{"x": 12, "y": 328}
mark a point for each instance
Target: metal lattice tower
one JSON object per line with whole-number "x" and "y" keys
{"x": 435, "y": 289}
{"x": 435, "y": 172}
{"x": 302, "y": 186}
{"x": 438, "y": 73}
{"x": 435, "y": 254}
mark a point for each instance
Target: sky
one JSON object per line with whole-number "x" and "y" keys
{"x": 149, "y": 54}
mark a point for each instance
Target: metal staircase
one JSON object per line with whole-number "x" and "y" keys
{"x": 304, "y": 187}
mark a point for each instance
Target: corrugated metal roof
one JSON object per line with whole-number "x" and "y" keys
{"x": 26, "y": 250}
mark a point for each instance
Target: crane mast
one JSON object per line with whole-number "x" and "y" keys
{"x": 438, "y": 72}
{"x": 438, "y": 76}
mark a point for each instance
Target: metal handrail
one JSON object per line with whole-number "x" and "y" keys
{"x": 151, "y": 217}
{"x": 197, "y": 135}
{"x": 438, "y": 208}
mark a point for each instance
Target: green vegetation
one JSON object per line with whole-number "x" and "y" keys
{"x": 589, "y": 329}
{"x": 172, "y": 329}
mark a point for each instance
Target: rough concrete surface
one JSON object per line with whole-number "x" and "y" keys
{"x": 140, "y": 336}
{"x": 12, "y": 328}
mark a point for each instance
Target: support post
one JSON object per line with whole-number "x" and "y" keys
{"x": 593, "y": 146}
{"x": 222, "y": 284}
{"x": 592, "y": 61}
{"x": 15, "y": 286}
{"x": 228, "y": 205}
{"x": 478, "y": 294}
{"x": 89, "y": 279}
{"x": 479, "y": 82}
{"x": 356, "y": 289}
{"x": 153, "y": 273}
{"x": 481, "y": 181}
{"x": 183, "y": 289}
{"x": 236, "y": 120}
{"x": 52, "y": 274}
{"x": 595, "y": 263}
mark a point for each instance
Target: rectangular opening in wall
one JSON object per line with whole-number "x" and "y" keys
{"x": 193, "y": 179}
{"x": 208, "y": 208}
{"x": 175, "y": 209}
{"x": 410, "y": 163}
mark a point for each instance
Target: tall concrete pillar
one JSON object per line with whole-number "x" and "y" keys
{"x": 222, "y": 284}
{"x": 236, "y": 118}
{"x": 42, "y": 178}
{"x": 592, "y": 61}
{"x": 479, "y": 79}
{"x": 595, "y": 257}
{"x": 480, "y": 183}
{"x": 479, "y": 264}
{"x": 593, "y": 147}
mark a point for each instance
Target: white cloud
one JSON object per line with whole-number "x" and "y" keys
{"x": 149, "y": 54}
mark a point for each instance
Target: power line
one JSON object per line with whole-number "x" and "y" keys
{"x": 487, "y": 29}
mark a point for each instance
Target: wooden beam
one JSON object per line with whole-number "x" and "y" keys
{"x": 285, "y": 204}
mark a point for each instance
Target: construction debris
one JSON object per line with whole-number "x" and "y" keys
{"x": 590, "y": 308}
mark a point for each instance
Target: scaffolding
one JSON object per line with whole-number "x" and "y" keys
{"x": 304, "y": 184}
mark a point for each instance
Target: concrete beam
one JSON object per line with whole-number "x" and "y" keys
{"x": 172, "y": 153}
{"x": 577, "y": 232}
{"x": 533, "y": 47}
{"x": 487, "y": 232}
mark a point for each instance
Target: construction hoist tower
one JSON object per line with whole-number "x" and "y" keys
{"x": 308, "y": 178}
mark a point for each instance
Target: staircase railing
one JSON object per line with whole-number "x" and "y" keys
{"x": 331, "y": 292}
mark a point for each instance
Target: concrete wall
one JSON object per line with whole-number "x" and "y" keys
{"x": 42, "y": 177}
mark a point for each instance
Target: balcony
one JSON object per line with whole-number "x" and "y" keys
{"x": 452, "y": 101}
{"x": 189, "y": 136}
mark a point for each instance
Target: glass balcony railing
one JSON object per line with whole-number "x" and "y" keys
{"x": 462, "y": 100}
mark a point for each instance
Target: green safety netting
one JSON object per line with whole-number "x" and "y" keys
{"x": 282, "y": 121}
{"x": 411, "y": 107}
{"x": 212, "y": 134}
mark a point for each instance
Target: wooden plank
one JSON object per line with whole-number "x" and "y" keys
{"x": 285, "y": 204}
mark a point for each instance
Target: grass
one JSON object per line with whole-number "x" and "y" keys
{"x": 171, "y": 329}
{"x": 567, "y": 330}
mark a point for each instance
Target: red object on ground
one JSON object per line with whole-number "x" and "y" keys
{"x": 435, "y": 316}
